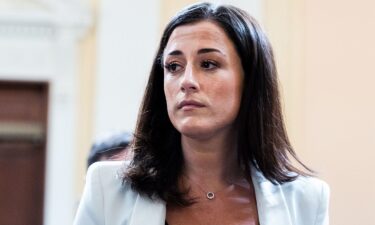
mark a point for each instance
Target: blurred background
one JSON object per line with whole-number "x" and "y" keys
{"x": 71, "y": 70}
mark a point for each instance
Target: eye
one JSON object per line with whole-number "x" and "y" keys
{"x": 209, "y": 65}
{"x": 173, "y": 67}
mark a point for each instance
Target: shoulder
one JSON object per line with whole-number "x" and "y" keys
{"x": 106, "y": 198}
{"x": 107, "y": 166}
{"x": 110, "y": 170}
{"x": 304, "y": 190}
{"x": 108, "y": 176}
{"x": 303, "y": 186}
{"x": 302, "y": 201}
{"x": 309, "y": 196}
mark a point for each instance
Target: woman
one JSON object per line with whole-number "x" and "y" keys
{"x": 210, "y": 144}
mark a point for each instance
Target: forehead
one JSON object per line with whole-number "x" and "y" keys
{"x": 200, "y": 34}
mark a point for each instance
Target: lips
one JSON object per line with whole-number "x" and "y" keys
{"x": 189, "y": 104}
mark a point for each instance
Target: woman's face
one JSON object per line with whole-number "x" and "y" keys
{"x": 203, "y": 80}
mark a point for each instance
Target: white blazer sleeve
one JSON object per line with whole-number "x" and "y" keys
{"x": 322, "y": 217}
{"x": 90, "y": 210}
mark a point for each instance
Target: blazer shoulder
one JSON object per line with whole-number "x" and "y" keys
{"x": 110, "y": 175}
{"x": 306, "y": 188}
{"x": 303, "y": 182}
{"x": 309, "y": 196}
{"x": 107, "y": 167}
{"x": 106, "y": 198}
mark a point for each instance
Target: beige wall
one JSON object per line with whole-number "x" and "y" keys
{"x": 326, "y": 51}
{"x": 340, "y": 97}
{"x": 284, "y": 24}
{"x": 169, "y": 8}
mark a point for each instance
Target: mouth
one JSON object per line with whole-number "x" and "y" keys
{"x": 189, "y": 104}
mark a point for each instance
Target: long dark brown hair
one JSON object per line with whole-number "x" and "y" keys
{"x": 261, "y": 135}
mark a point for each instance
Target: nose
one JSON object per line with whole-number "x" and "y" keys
{"x": 189, "y": 82}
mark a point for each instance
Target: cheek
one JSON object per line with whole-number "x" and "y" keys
{"x": 167, "y": 88}
{"x": 169, "y": 95}
{"x": 228, "y": 97}
{"x": 230, "y": 84}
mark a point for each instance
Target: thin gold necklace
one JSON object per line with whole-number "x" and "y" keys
{"x": 210, "y": 195}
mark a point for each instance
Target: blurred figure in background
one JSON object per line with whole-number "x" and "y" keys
{"x": 112, "y": 147}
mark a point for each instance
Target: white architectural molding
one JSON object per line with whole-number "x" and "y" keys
{"x": 39, "y": 42}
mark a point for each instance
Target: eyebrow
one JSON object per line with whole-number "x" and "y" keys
{"x": 200, "y": 51}
{"x": 208, "y": 50}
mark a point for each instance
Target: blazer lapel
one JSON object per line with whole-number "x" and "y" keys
{"x": 272, "y": 208}
{"x": 148, "y": 212}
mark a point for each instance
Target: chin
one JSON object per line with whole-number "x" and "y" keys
{"x": 195, "y": 132}
{"x": 197, "y": 128}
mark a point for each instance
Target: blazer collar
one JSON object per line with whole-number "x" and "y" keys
{"x": 271, "y": 205}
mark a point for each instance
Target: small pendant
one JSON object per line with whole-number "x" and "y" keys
{"x": 210, "y": 195}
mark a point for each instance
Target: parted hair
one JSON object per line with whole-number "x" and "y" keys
{"x": 262, "y": 140}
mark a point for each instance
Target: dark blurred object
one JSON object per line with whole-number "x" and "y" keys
{"x": 112, "y": 147}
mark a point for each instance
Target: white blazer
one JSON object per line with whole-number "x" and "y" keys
{"x": 106, "y": 201}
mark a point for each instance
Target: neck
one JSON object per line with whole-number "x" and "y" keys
{"x": 212, "y": 162}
